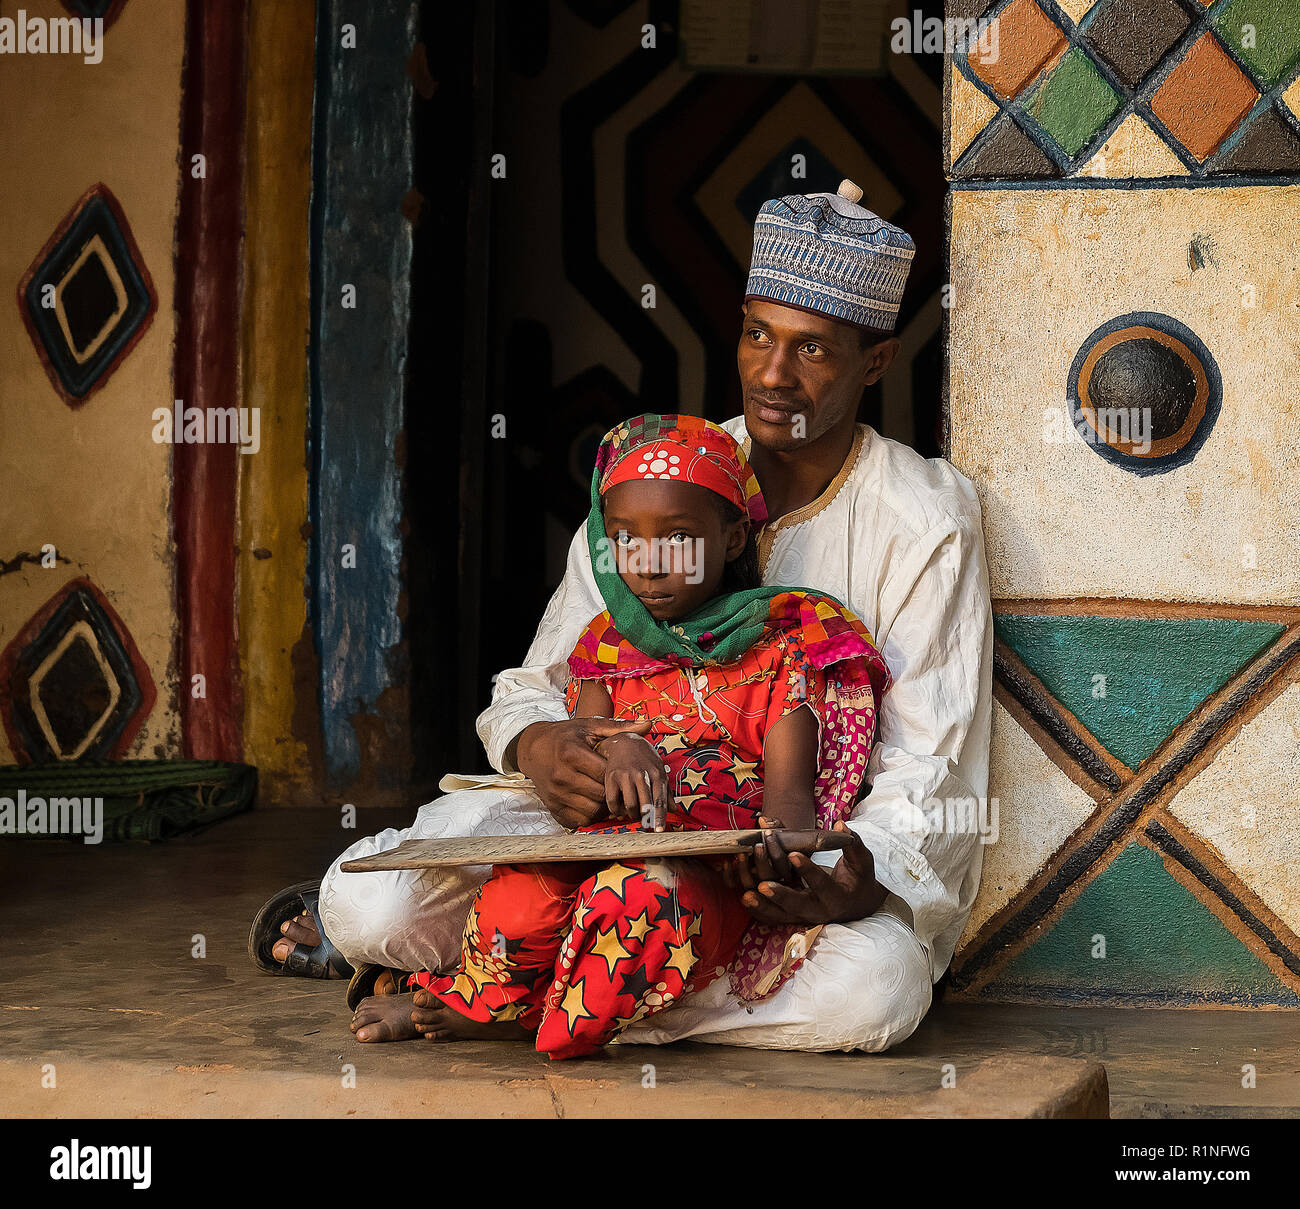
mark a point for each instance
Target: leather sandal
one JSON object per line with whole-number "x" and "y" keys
{"x": 324, "y": 961}
{"x": 363, "y": 982}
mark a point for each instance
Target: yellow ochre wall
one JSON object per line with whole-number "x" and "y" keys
{"x": 91, "y": 481}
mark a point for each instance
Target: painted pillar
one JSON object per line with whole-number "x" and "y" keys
{"x": 281, "y": 721}
{"x": 1125, "y": 186}
{"x": 360, "y": 257}
{"x": 205, "y": 474}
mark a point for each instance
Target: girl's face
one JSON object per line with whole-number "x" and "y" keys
{"x": 671, "y": 543}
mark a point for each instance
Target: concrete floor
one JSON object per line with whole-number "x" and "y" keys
{"x": 101, "y": 985}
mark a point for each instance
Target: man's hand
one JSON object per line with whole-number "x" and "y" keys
{"x": 636, "y": 781}
{"x": 561, "y": 761}
{"x": 848, "y": 892}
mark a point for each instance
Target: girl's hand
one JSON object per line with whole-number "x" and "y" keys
{"x": 636, "y": 781}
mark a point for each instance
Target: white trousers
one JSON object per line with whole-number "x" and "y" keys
{"x": 864, "y": 986}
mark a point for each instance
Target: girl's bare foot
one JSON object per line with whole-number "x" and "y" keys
{"x": 384, "y": 1018}
{"x": 406, "y": 1017}
{"x": 434, "y": 1021}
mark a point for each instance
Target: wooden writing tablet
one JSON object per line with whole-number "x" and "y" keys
{"x": 582, "y": 846}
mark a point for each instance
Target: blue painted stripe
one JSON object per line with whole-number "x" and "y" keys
{"x": 362, "y": 162}
{"x": 1160, "y": 182}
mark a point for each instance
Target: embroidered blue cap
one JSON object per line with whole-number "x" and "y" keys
{"x": 825, "y": 253}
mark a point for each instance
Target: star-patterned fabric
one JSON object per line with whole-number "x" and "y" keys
{"x": 579, "y": 954}
{"x": 898, "y": 539}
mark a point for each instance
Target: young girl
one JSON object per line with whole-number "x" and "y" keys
{"x": 753, "y": 696}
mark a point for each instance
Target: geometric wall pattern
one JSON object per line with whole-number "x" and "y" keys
{"x": 88, "y": 197}
{"x": 88, "y": 297}
{"x": 72, "y": 683}
{"x": 1159, "y": 717}
{"x": 1130, "y": 88}
{"x": 1146, "y": 733}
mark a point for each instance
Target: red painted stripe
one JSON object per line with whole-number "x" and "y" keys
{"x": 205, "y": 477}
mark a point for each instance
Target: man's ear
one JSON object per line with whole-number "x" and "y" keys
{"x": 879, "y": 358}
{"x": 737, "y": 536}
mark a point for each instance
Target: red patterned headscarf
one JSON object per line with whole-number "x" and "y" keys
{"x": 681, "y": 449}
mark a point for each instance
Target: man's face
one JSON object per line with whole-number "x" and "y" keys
{"x": 795, "y": 364}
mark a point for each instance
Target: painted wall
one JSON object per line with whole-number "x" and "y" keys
{"x": 1125, "y": 186}
{"x": 103, "y": 202}
{"x": 81, "y": 471}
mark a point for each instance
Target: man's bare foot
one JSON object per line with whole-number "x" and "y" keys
{"x": 300, "y": 931}
{"x": 384, "y": 1018}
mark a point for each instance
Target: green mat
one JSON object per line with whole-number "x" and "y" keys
{"x": 142, "y": 799}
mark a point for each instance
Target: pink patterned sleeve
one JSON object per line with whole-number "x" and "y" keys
{"x": 794, "y": 682}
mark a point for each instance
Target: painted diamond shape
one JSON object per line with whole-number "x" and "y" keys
{"x": 1205, "y": 677}
{"x": 1132, "y": 36}
{"x": 1204, "y": 98}
{"x": 72, "y": 684}
{"x": 1027, "y": 39}
{"x": 773, "y": 180}
{"x": 88, "y": 297}
{"x": 1073, "y": 102}
{"x": 1265, "y": 34}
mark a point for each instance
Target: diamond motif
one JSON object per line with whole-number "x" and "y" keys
{"x": 773, "y": 179}
{"x": 1204, "y": 97}
{"x": 732, "y": 193}
{"x": 1073, "y": 102}
{"x": 1027, "y": 39}
{"x": 72, "y": 684}
{"x": 88, "y": 297}
{"x": 1265, "y": 35}
{"x": 1132, "y": 36}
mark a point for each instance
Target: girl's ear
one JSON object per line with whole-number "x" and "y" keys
{"x": 737, "y": 536}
